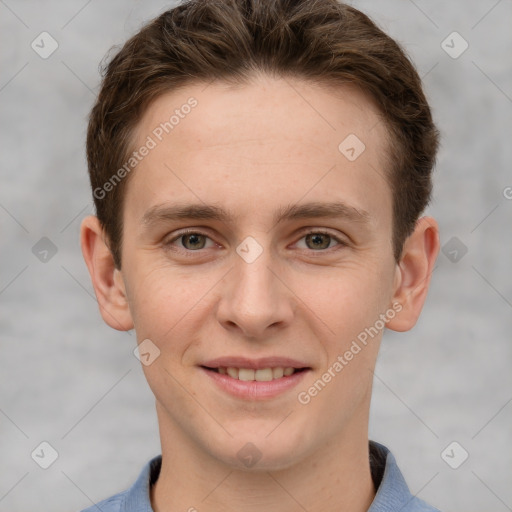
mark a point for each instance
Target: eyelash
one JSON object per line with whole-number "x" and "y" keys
{"x": 190, "y": 253}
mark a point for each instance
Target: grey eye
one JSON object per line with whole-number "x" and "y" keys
{"x": 318, "y": 240}
{"x": 194, "y": 241}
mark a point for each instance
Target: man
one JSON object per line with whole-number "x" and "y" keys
{"x": 259, "y": 170}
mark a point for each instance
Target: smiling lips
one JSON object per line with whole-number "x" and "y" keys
{"x": 262, "y": 370}
{"x": 261, "y": 375}
{"x": 250, "y": 378}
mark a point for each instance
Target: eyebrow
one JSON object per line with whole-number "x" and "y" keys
{"x": 200, "y": 211}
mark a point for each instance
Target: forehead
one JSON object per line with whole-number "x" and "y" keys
{"x": 273, "y": 139}
{"x": 262, "y": 108}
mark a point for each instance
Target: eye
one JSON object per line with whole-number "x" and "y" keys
{"x": 319, "y": 240}
{"x": 188, "y": 241}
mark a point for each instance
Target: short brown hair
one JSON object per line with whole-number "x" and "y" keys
{"x": 323, "y": 41}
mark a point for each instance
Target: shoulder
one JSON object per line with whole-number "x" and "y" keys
{"x": 392, "y": 490}
{"x": 137, "y": 497}
{"x": 112, "y": 504}
{"x": 418, "y": 505}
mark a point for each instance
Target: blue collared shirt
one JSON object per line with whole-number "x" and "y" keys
{"x": 392, "y": 495}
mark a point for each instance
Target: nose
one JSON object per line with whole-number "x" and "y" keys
{"x": 255, "y": 299}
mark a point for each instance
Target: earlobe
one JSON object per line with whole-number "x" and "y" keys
{"x": 413, "y": 273}
{"x": 106, "y": 279}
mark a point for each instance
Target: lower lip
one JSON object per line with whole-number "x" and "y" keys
{"x": 253, "y": 389}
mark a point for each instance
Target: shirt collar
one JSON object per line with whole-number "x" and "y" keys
{"x": 392, "y": 491}
{"x": 393, "y": 494}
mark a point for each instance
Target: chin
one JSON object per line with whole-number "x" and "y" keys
{"x": 262, "y": 452}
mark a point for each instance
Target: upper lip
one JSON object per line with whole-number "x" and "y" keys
{"x": 255, "y": 364}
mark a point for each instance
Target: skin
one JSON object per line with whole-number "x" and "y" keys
{"x": 254, "y": 149}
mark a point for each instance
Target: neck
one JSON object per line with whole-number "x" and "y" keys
{"x": 335, "y": 477}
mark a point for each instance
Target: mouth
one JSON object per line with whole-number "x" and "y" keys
{"x": 259, "y": 375}
{"x": 266, "y": 379}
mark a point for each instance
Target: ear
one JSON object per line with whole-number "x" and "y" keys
{"x": 106, "y": 278}
{"x": 413, "y": 273}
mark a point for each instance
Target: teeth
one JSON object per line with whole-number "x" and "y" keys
{"x": 232, "y": 372}
{"x": 262, "y": 375}
{"x": 277, "y": 373}
{"x": 245, "y": 374}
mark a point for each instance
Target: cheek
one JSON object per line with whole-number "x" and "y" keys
{"x": 350, "y": 305}
{"x": 349, "y": 300}
{"x": 165, "y": 301}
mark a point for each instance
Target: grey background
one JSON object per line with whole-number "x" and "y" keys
{"x": 68, "y": 379}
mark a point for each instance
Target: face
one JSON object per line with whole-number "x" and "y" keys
{"x": 253, "y": 240}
